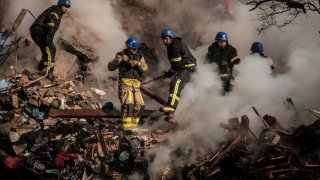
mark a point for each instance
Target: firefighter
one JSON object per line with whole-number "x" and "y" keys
{"x": 225, "y": 55}
{"x": 183, "y": 64}
{"x": 42, "y": 32}
{"x": 257, "y": 49}
{"x": 131, "y": 65}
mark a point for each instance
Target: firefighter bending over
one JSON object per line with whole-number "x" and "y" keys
{"x": 42, "y": 32}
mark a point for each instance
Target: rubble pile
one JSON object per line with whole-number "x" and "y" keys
{"x": 63, "y": 129}
{"x": 276, "y": 153}
{"x": 59, "y": 130}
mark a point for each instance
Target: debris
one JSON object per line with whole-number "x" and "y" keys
{"x": 8, "y": 41}
{"x": 110, "y": 113}
{"x": 60, "y": 130}
{"x": 13, "y": 136}
{"x": 148, "y": 92}
{"x": 262, "y": 120}
{"x": 99, "y": 92}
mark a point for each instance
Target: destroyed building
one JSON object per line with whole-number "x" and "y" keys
{"x": 71, "y": 128}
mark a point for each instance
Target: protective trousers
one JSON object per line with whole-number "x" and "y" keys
{"x": 132, "y": 103}
{"x": 177, "y": 84}
{"x": 225, "y": 74}
{"x": 46, "y": 46}
{"x": 226, "y": 84}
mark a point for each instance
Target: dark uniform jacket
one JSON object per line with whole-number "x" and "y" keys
{"x": 225, "y": 57}
{"x": 50, "y": 20}
{"x": 180, "y": 56}
{"x": 121, "y": 62}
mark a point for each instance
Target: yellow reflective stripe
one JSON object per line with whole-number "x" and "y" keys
{"x": 127, "y": 126}
{"x": 49, "y": 64}
{"x": 130, "y": 97}
{"x": 176, "y": 88}
{"x": 174, "y": 95}
{"x": 50, "y": 24}
{"x": 168, "y": 108}
{"x": 55, "y": 15}
{"x": 127, "y": 123}
{"x": 127, "y": 119}
{"x": 131, "y": 82}
{"x": 176, "y": 59}
{"x": 224, "y": 75}
{"x": 235, "y": 58}
{"x": 189, "y": 65}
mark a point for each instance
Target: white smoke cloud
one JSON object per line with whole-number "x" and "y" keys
{"x": 26, "y": 54}
{"x": 202, "y": 107}
{"x": 15, "y": 6}
{"x": 100, "y": 19}
{"x": 100, "y": 26}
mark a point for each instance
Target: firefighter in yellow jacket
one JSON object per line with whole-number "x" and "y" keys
{"x": 131, "y": 65}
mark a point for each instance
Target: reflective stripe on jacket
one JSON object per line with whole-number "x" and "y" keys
{"x": 180, "y": 56}
{"x": 50, "y": 20}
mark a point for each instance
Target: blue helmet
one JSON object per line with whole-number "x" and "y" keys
{"x": 221, "y": 36}
{"x": 66, "y": 3}
{"x": 256, "y": 47}
{"x": 108, "y": 106}
{"x": 133, "y": 42}
{"x": 167, "y": 32}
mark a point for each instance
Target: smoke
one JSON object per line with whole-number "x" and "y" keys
{"x": 201, "y": 20}
{"x": 26, "y": 54}
{"x": 96, "y": 24}
{"x": 13, "y": 8}
{"x": 202, "y": 107}
{"x": 100, "y": 20}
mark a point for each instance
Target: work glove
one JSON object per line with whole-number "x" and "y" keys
{"x": 170, "y": 73}
{"x": 124, "y": 59}
{"x": 133, "y": 63}
{"x": 120, "y": 58}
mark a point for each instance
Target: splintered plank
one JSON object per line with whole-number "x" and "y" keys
{"x": 90, "y": 113}
{"x": 152, "y": 95}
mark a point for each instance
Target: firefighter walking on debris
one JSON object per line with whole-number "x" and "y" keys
{"x": 42, "y": 32}
{"x": 225, "y": 55}
{"x": 183, "y": 64}
{"x": 131, "y": 65}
